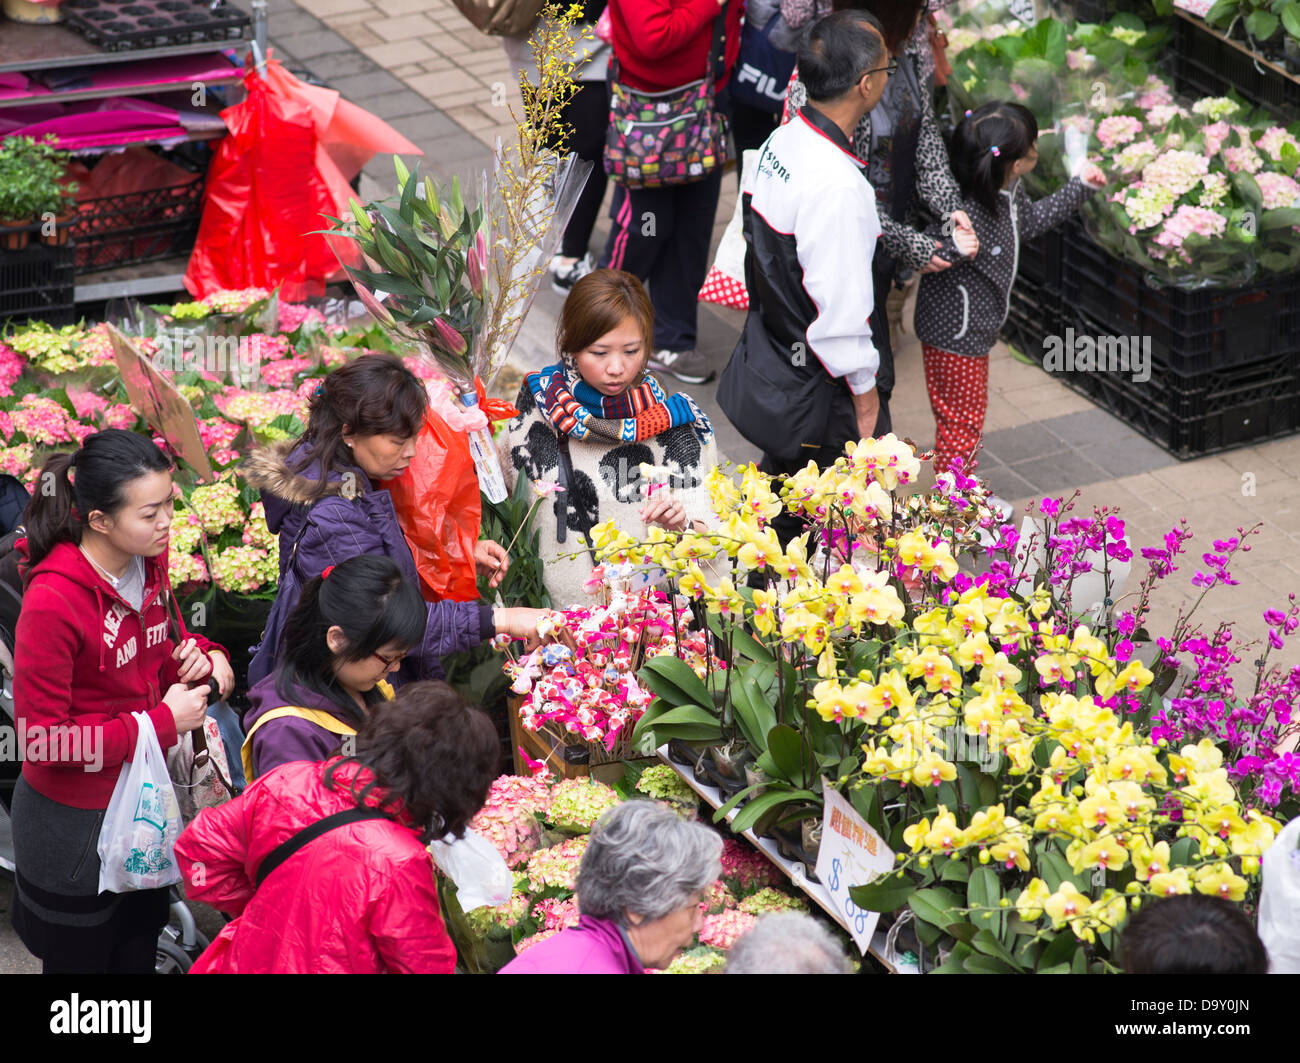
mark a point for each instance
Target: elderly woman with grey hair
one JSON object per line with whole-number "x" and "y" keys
{"x": 639, "y": 888}
{"x": 787, "y": 943}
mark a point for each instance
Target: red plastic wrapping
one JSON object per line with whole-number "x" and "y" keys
{"x": 439, "y": 508}
{"x": 277, "y": 178}
{"x": 264, "y": 196}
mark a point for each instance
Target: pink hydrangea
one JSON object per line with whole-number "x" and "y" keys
{"x": 280, "y": 374}
{"x": 717, "y": 898}
{"x": 1271, "y": 140}
{"x": 1155, "y": 93}
{"x": 1215, "y": 134}
{"x": 294, "y": 315}
{"x": 1177, "y": 171}
{"x": 120, "y": 416}
{"x": 1278, "y": 190}
{"x": 557, "y": 914}
{"x": 234, "y": 300}
{"x": 332, "y": 357}
{"x": 6, "y": 424}
{"x": 744, "y": 869}
{"x": 42, "y": 420}
{"x": 86, "y": 403}
{"x": 183, "y": 568}
{"x": 263, "y": 348}
{"x": 12, "y": 365}
{"x": 1117, "y": 129}
{"x": 524, "y": 944}
{"x": 724, "y": 929}
{"x": 1188, "y": 220}
{"x": 1243, "y": 159}
{"x": 216, "y": 432}
{"x": 508, "y": 819}
{"x": 423, "y": 368}
{"x": 17, "y": 461}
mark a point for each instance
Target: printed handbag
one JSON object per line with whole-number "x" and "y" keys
{"x": 676, "y": 137}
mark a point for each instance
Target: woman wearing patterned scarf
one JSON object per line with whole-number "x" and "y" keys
{"x": 591, "y": 421}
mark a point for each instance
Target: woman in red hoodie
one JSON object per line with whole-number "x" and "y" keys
{"x": 94, "y": 644}
{"x": 662, "y": 234}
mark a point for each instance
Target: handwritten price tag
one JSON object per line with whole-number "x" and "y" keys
{"x": 851, "y": 854}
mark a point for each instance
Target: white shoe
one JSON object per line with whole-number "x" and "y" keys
{"x": 565, "y": 273}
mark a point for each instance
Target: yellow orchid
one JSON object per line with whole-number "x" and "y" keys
{"x": 932, "y": 770}
{"x": 1134, "y": 677}
{"x": 936, "y": 669}
{"x": 763, "y": 549}
{"x": 975, "y": 652}
{"x": 877, "y": 605}
{"x": 1149, "y": 860}
{"x": 1029, "y": 905}
{"x": 1013, "y": 849}
{"x": 723, "y": 495}
{"x": 1101, "y": 811}
{"x": 1001, "y": 671}
{"x": 1108, "y": 912}
{"x": 1222, "y": 821}
{"x": 914, "y": 836}
{"x": 1105, "y": 853}
{"x": 1258, "y": 835}
{"x": 1066, "y": 904}
{"x": 764, "y": 614}
{"x": 985, "y": 823}
{"x": 846, "y": 581}
{"x": 1087, "y": 647}
{"x": 1135, "y": 801}
{"x": 1054, "y": 668}
{"x": 1059, "y": 817}
{"x": 890, "y": 694}
{"x": 1171, "y": 883}
{"x": 724, "y": 600}
{"x": 981, "y": 714}
{"x": 944, "y": 835}
{"x": 693, "y": 584}
{"x": 1192, "y": 760}
{"x": 1022, "y": 756}
{"x": 888, "y": 460}
{"x": 794, "y": 565}
{"x": 1219, "y": 881}
{"x": 1009, "y": 623}
{"x": 1040, "y": 603}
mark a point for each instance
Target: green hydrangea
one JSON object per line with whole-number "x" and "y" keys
{"x": 771, "y": 900}
{"x": 701, "y": 960}
{"x": 189, "y": 311}
{"x": 664, "y": 784}
{"x": 577, "y": 803}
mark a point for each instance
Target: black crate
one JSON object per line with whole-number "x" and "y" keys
{"x": 38, "y": 282}
{"x": 139, "y": 24}
{"x": 1033, "y": 314}
{"x": 1040, "y": 261}
{"x": 1204, "y": 64}
{"x": 114, "y": 231}
{"x": 1191, "y": 331}
{"x": 1199, "y": 414}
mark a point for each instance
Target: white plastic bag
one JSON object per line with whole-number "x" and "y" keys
{"x": 473, "y": 863}
{"x": 1279, "y": 902}
{"x": 138, "y": 840}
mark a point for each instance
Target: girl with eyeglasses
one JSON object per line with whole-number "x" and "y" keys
{"x": 352, "y": 627}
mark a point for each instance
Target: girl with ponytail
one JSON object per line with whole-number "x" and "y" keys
{"x": 95, "y": 642}
{"x": 352, "y": 627}
{"x": 960, "y": 311}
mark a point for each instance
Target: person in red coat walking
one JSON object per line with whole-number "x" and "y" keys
{"x": 661, "y": 235}
{"x": 98, "y": 639}
{"x": 360, "y": 898}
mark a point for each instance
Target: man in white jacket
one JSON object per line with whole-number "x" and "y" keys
{"x": 802, "y": 380}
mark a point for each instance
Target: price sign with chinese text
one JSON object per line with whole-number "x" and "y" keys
{"x": 851, "y": 854}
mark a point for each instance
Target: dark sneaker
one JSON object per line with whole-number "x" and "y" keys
{"x": 564, "y": 277}
{"x": 690, "y": 367}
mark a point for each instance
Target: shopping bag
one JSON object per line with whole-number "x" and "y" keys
{"x": 478, "y": 869}
{"x": 725, "y": 283}
{"x": 200, "y": 780}
{"x": 138, "y": 839}
{"x": 1279, "y": 903}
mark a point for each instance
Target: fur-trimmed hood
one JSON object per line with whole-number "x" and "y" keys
{"x": 268, "y": 469}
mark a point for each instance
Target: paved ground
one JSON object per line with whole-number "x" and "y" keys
{"x": 419, "y": 65}
{"x": 422, "y": 66}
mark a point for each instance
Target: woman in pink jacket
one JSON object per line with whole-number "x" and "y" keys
{"x": 360, "y": 897}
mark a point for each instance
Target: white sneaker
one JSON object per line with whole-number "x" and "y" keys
{"x": 565, "y": 273}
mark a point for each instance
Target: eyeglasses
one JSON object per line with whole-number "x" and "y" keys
{"x": 389, "y": 661}
{"x": 888, "y": 68}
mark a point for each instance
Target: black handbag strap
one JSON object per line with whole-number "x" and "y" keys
{"x": 565, "y": 495}
{"x": 286, "y": 849}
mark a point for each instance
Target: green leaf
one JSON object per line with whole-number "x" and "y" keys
{"x": 1280, "y": 218}
{"x": 1079, "y": 962}
{"x": 753, "y": 712}
{"x": 986, "y": 943}
{"x": 980, "y": 964}
{"x": 984, "y": 890}
{"x": 1058, "y": 951}
{"x": 955, "y": 871}
{"x": 1262, "y": 24}
{"x": 886, "y": 894}
{"x": 672, "y": 679}
{"x": 722, "y": 811}
{"x": 786, "y": 749}
{"x": 750, "y": 814}
{"x": 693, "y": 714}
{"x": 936, "y": 906}
{"x": 1291, "y": 20}
{"x": 1221, "y": 12}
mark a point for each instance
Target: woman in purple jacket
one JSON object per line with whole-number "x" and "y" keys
{"x": 324, "y": 497}
{"x": 354, "y": 625}
{"x": 640, "y": 882}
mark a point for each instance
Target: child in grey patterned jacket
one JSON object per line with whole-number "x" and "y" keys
{"x": 960, "y": 311}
